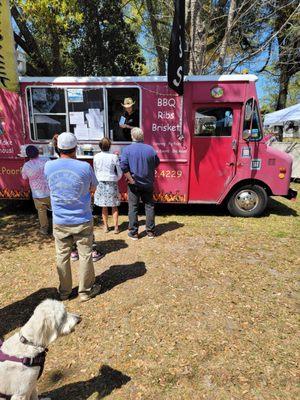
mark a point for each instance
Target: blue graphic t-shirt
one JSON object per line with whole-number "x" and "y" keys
{"x": 69, "y": 181}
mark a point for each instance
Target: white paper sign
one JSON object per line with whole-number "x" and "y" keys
{"x": 95, "y": 118}
{"x": 76, "y": 118}
{"x": 95, "y": 133}
{"x": 81, "y": 132}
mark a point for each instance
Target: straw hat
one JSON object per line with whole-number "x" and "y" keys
{"x": 128, "y": 102}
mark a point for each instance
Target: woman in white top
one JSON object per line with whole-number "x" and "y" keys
{"x": 108, "y": 172}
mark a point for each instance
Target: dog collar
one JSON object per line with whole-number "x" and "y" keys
{"x": 26, "y": 341}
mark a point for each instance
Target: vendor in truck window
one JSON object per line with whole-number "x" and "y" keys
{"x": 130, "y": 119}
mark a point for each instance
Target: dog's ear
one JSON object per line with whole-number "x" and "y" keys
{"x": 41, "y": 327}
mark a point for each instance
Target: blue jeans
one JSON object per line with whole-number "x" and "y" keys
{"x": 135, "y": 194}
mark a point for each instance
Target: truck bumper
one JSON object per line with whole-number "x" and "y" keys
{"x": 292, "y": 194}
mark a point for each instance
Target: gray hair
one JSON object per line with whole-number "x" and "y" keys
{"x": 137, "y": 134}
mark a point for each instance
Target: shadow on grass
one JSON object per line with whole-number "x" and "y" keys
{"x": 111, "y": 245}
{"x": 278, "y": 208}
{"x": 160, "y": 229}
{"x": 19, "y": 226}
{"x": 105, "y": 383}
{"x": 118, "y": 274}
{"x": 190, "y": 209}
{"x": 274, "y": 207}
{"x": 17, "y": 314}
{"x": 124, "y": 225}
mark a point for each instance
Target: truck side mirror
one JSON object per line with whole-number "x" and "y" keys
{"x": 246, "y": 134}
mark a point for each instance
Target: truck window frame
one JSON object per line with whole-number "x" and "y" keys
{"x": 33, "y": 129}
{"x": 254, "y": 111}
{"x": 107, "y": 87}
{"x": 212, "y": 106}
{"x": 33, "y": 135}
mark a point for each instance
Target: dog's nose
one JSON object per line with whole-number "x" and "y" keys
{"x": 78, "y": 319}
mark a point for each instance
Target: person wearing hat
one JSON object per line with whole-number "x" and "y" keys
{"x": 33, "y": 170}
{"x": 131, "y": 118}
{"x": 71, "y": 183}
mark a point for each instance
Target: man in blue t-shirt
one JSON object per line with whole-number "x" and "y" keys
{"x": 71, "y": 181}
{"x": 138, "y": 162}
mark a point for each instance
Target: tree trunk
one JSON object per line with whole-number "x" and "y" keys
{"x": 55, "y": 48}
{"x": 188, "y": 36}
{"x": 198, "y": 38}
{"x": 161, "y": 58}
{"x": 226, "y": 37}
{"x": 283, "y": 88}
{"x": 288, "y": 46}
{"x": 284, "y": 67}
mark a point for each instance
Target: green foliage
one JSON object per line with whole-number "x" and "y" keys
{"x": 61, "y": 13}
{"x": 153, "y": 20}
{"x": 106, "y": 44}
{"x": 77, "y": 37}
{"x": 271, "y": 91}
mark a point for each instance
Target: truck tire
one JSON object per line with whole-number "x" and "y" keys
{"x": 247, "y": 201}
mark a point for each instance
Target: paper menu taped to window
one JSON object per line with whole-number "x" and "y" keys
{"x": 81, "y": 132}
{"x": 95, "y": 118}
{"x": 95, "y": 134}
{"x": 76, "y": 117}
{"x": 122, "y": 120}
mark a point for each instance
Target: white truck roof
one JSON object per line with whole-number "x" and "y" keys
{"x": 136, "y": 79}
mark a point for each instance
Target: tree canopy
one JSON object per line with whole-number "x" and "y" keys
{"x": 81, "y": 37}
{"x": 129, "y": 37}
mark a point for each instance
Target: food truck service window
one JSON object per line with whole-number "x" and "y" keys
{"x": 86, "y": 113}
{"x": 83, "y": 111}
{"x": 117, "y": 112}
{"x": 252, "y": 121}
{"x": 213, "y": 121}
{"x": 47, "y": 112}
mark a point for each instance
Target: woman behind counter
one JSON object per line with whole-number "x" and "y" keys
{"x": 130, "y": 118}
{"x": 108, "y": 172}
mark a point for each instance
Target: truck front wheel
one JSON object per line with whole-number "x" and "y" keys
{"x": 248, "y": 201}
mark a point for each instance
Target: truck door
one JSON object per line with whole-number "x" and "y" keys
{"x": 215, "y": 129}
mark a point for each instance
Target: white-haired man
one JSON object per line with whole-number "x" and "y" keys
{"x": 138, "y": 162}
{"x": 71, "y": 181}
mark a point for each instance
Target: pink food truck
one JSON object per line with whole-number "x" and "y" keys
{"x": 210, "y": 141}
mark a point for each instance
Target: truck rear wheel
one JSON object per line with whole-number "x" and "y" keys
{"x": 248, "y": 201}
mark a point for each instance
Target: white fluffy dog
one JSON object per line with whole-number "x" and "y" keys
{"x": 49, "y": 321}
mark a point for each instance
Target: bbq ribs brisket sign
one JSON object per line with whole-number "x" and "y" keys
{"x": 176, "y": 49}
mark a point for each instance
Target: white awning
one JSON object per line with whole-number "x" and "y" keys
{"x": 280, "y": 117}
